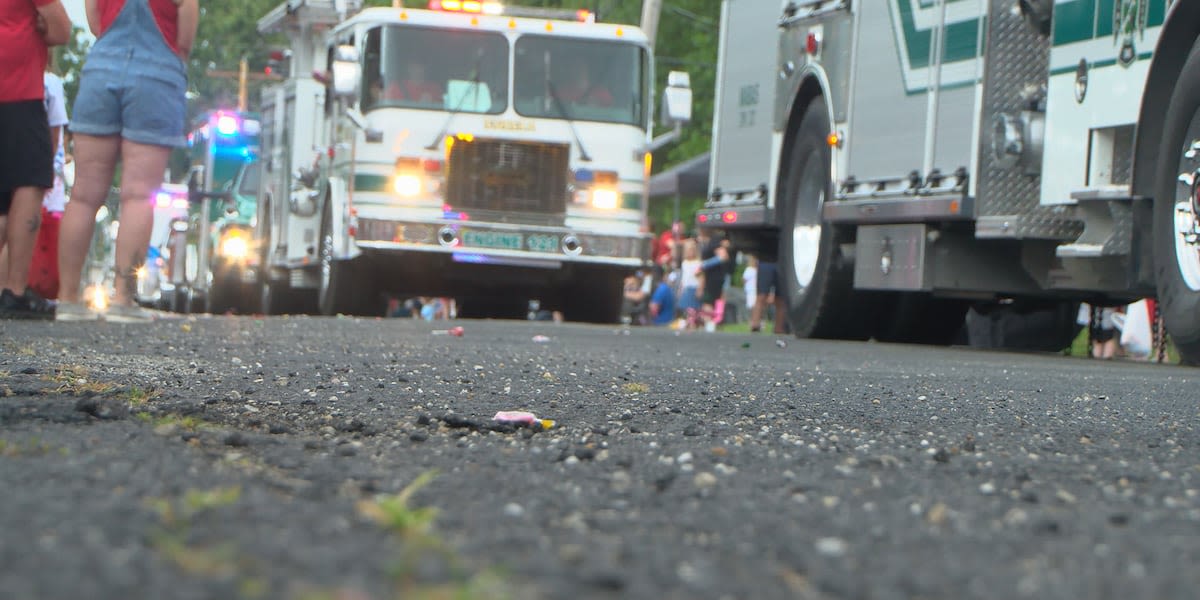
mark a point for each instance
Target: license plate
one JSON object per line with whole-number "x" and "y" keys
{"x": 493, "y": 239}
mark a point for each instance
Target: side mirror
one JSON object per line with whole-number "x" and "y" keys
{"x": 677, "y": 99}
{"x": 347, "y": 72}
{"x": 195, "y": 180}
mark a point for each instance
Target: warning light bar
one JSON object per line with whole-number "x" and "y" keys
{"x": 467, "y": 6}
{"x": 496, "y": 8}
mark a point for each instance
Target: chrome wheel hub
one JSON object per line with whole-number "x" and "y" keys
{"x": 1187, "y": 224}
{"x": 806, "y": 227}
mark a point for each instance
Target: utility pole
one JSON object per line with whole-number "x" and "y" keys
{"x": 243, "y": 69}
{"x": 651, "y": 9}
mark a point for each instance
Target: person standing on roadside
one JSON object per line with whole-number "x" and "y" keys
{"x": 27, "y": 29}
{"x": 43, "y": 270}
{"x": 130, "y": 108}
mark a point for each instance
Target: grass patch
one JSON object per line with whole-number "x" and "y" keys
{"x": 188, "y": 422}
{"x": 74, "y": 380}
{"x": 31, "y": 447}
{"x": 179, "y": 512}
{"x": 1079, "y": 348}
{"x": 139, "y": 396}
{"x": 635, "y": 388}
{"x": 171, "y": 538}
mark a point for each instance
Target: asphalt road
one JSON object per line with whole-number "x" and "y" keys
{"x": 269, "y": 458}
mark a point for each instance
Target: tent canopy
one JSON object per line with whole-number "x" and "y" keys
{"x": 688, "y": 178}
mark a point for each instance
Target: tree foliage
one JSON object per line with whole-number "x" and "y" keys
{"x": 68, "y": 62}
{"x": 228, "y": 31}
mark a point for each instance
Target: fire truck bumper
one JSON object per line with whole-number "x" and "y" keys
{"x": 489, "y": 243}
{"x": 735, "y": 216}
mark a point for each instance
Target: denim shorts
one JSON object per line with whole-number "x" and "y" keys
{"x": 139, "y": 97}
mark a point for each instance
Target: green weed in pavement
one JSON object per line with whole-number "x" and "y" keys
{"x": 31, "y": 447}
{"x": 171, "y": 538}
{"x": 74, "y": 380}
{"x": 635, "y": 388}
{"x": 139, "y": 396}
{"x": 414, "y": 527}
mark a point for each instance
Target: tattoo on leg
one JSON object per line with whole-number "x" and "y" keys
{"x": 34, "y": 223}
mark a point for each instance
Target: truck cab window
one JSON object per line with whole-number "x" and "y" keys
{"x": 408, "y": 67}
{"x": 563, "y": 78}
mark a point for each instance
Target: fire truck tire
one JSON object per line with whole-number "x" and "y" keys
{"x": 598, "y": 299}
{"x": 222, "y": 293}
{"x": 817, "y": 276}
{"x": 1176, "y": 257}
{"x": 278, "y": 298}
{"x": 916, "y": 318}
{"x": 1023, "y": 326}
{"x": 229, "y": 293}
{"x": 345, "y": 286}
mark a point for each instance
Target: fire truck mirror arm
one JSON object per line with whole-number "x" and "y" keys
{"x": 373, "y": 136}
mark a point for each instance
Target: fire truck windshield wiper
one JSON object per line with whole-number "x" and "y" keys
{"x": 458, "y": 106}
{"x": 562, "y": 110}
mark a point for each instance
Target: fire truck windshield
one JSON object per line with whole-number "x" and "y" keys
{"x": 587, "y": 80}
{"x": 250, "y": 179}
{"x": 435, "y": 69}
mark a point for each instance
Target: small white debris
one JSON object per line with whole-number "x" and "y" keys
{"x": 832, "y": 546}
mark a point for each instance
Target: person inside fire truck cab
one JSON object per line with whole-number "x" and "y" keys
{"x": 581, "y": 89}
{"x": 414, "y": 87}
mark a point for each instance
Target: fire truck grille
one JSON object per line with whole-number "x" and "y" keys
{"x": 502, "y": 175}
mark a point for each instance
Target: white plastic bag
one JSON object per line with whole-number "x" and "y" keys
{"x": 1135, "y": 335}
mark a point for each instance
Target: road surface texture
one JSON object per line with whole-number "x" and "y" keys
{"x": 351, "y": 459}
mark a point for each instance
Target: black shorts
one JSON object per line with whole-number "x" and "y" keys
{"x": 768, "y": 278}
{"x": 26, "y": 159}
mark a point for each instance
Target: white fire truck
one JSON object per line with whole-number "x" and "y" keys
{"x": 904, "y": 159}
{"x": 465, "y": 149}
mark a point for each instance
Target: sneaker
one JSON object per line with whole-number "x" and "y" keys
{"x": 75, "y": 311}
{"x": 28, "y": 305}
{"x": 120, "y": 313}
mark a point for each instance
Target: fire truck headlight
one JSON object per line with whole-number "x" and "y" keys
{"x": 605, "y": 199}
{"x": 407, "y": 185}
{"x": 234, "y": 245}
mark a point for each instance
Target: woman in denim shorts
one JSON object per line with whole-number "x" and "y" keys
{"x": 131, "y": 107}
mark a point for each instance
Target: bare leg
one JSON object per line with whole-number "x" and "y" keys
{"x": 756, "y": 313}
{"x": 3, "y": 253}
{"x": 144, "y": 165}
{"x": 24, "y": 219}
{"x": 95, "y": 161}
{"x": 780, "y": 314}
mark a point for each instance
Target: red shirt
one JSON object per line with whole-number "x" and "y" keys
{"x": 22, "y": 51}
{"x": 165, "y": 12}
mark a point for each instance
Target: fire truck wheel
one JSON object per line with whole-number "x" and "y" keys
{"x": 345, "y": 287}
{"x": 916, "y": 318}
{"x": 278, "y": 298}
{"x": 223, "y": 294}
{"x": 1176, "y": 220}
{"x": 817, "y": 276}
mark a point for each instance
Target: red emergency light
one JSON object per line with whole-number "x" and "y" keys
{"x": 467, "y": 6}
